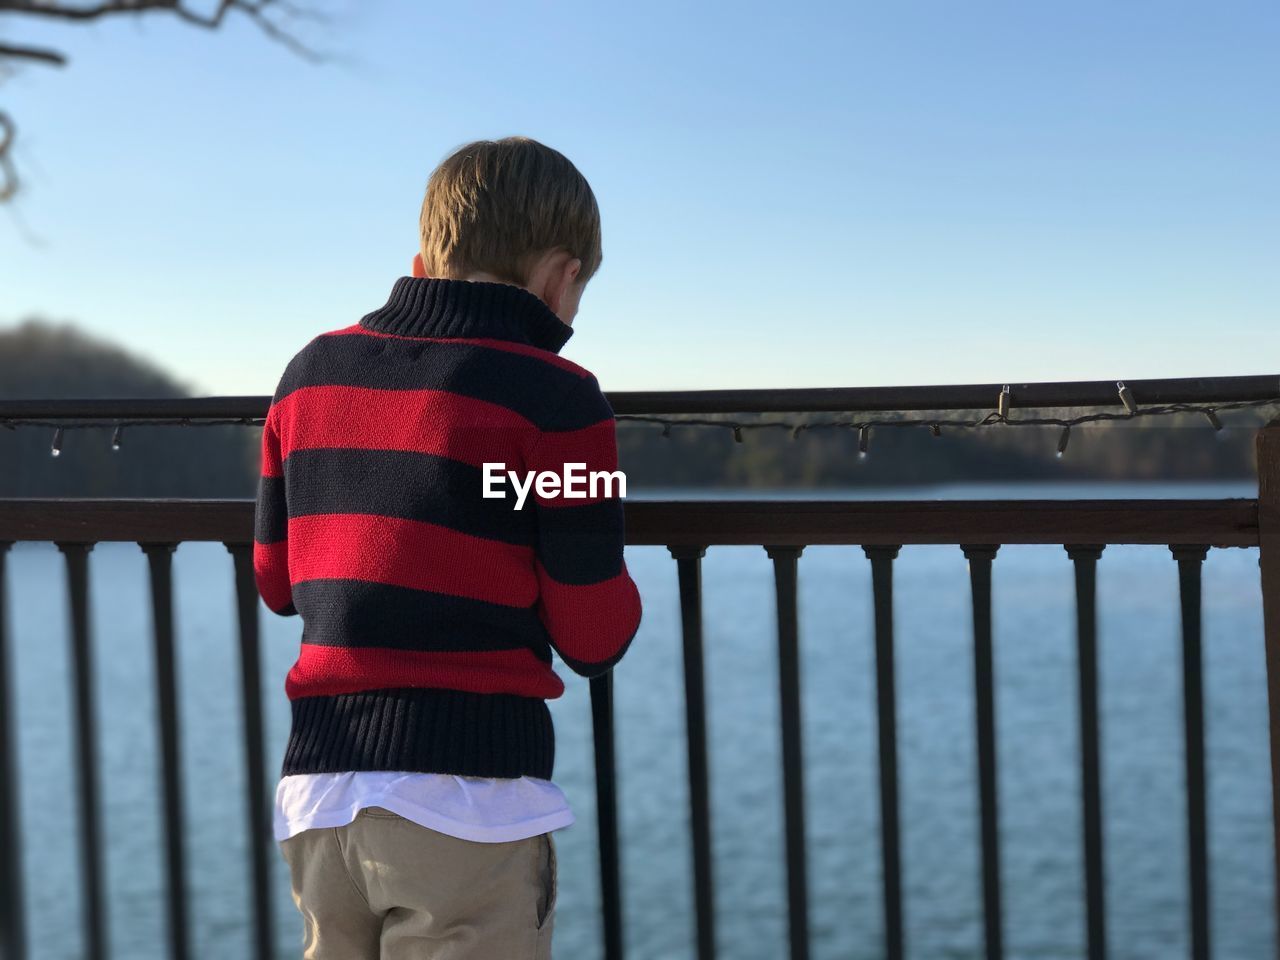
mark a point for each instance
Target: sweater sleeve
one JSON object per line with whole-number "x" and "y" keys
{"x": 271, "y": 526}
{"x": 587, "y": 599}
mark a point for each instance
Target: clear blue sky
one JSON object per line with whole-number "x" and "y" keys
{"x": 793, "y": 194}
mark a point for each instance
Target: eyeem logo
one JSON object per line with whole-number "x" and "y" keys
{"x": 548, "y": 483}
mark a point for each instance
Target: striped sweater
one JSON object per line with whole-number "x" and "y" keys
{"x": 429, "y": 612}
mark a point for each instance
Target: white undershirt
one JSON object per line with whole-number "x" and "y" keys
{"x": 472, "y": 808}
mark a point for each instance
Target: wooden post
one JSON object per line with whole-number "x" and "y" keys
{"x": 1268, "y": 451}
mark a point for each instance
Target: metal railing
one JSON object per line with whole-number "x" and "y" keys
{"x": 1189, "y": 528}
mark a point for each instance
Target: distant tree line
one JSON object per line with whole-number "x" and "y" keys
{"x": 1182, "y": 447}
{"x": 40, "y": 360}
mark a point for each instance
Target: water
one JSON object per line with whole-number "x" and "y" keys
{"x": 1143, "y": 802}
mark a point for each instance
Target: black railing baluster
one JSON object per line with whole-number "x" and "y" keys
{"x": 607, "y": 813}
{"x": 785, "y": 572}
{"x": 980, "y": 557}
{"x": 1267, "y": 457}
{"x": 91, "y": 868}
{"x": 882, "y": 558}
{"x": 689, "y": 571}
{"x": 160, "y": 559}
{"x": 257, "y": 806}
{"x": 13, "y": 940}
{"x": 1190, "y": 559}
{"x": 1085, "y": 560}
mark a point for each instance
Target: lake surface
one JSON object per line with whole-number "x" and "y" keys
{"x": 1033, "y": 608}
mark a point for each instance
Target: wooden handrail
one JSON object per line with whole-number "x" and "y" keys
{"x": 1231, "y": 522}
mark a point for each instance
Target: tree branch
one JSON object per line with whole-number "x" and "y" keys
{"x": 32, "y": 53}
{"x": 64, "y": 11}
{"x": 266, "y": 14}
{"x": 259, "y": 11}
{"x": 8, "y": 175}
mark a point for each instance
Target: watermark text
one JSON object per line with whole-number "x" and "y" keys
{"x": 575, "y": 484}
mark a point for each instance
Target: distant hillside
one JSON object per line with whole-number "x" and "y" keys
{"x": 39, "y": 359}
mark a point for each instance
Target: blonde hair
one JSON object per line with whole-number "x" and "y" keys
{"x": 497, "y": 205}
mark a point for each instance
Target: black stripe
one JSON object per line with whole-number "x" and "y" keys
{"x": 531, "y": 387}
{"x": 408, "y": 485}
{"x": 270, "y": 519}
{"x": 581, "y": 544}
{"x": 363, "y": 613}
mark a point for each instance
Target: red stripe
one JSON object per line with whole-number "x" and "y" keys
{"x": 422, "y": 421}
{"x": 411, "y": 553}
{"x": 271, "y": 573}
{"x": 322, "y": 671}
{"x": 589, "y": 622}
{"x": 595, "y": 446}
{"x": 508, "y": 346}
{"x": 270, "y": 447}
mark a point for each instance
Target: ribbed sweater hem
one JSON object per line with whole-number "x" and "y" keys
{"x": 424, "y": 730}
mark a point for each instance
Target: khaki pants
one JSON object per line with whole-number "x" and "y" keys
{"x": 385, "y": 888}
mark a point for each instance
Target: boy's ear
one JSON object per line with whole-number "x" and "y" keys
{"x": 562, "y": 278}
{"x": 419, "y": 268}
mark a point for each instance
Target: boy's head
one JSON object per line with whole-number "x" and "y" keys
{"x": 511, "y": 211}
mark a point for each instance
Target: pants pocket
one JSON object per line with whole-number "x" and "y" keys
{"x": 379, "y": 813}
{"x": 547, "y": 877}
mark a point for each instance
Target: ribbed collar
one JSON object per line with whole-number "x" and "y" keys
{"x": 438, "y": 307}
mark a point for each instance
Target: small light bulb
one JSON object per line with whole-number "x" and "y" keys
{"x": 115, "y": 437}
{"x": 1062, "y": 441}
{"x": 56, "y": 449}
{"x": 1002, "y": 405}
{"x": 864, "y": 439}
{"x": 1126, "y": 397}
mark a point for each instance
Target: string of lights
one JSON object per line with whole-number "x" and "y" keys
{"x": 119, "y": 423}
{"x": 999, "y": 416}
{"x": 935, "y": 424}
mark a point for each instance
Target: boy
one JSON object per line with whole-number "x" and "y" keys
{"x": 415, "y": 806}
